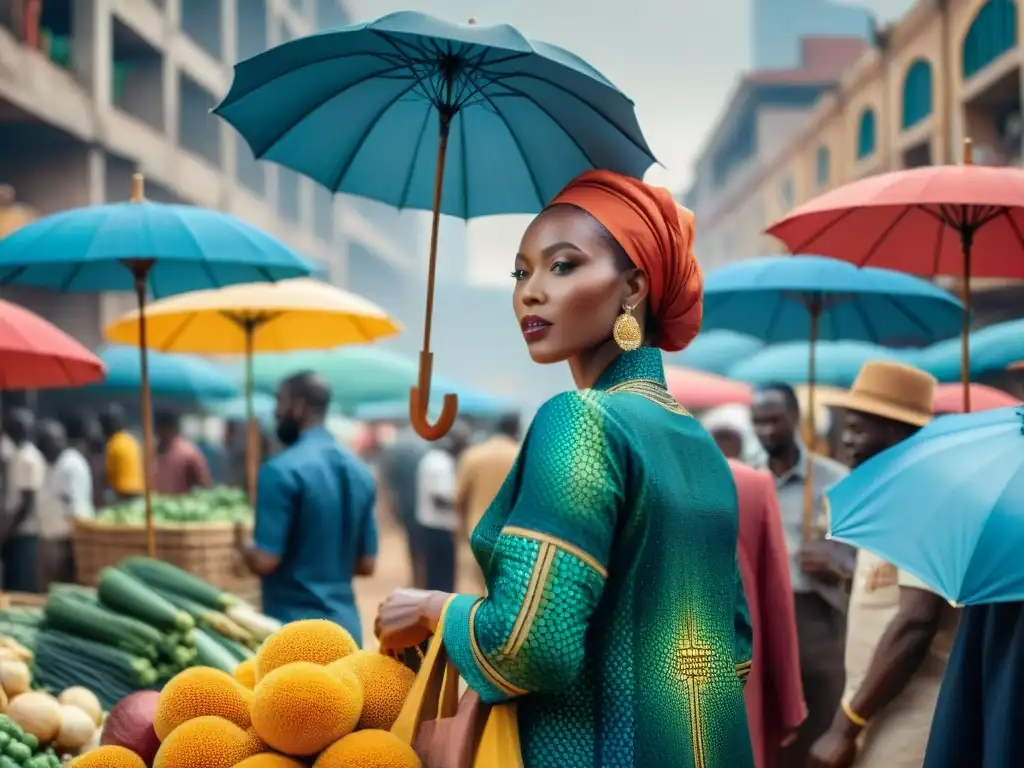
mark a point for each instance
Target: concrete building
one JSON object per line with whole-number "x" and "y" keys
{"x": 946, "y": 71}
{"x": 778, "y": 26}
{"x": 93, "y": 90}
{"x": 766, "y": 110}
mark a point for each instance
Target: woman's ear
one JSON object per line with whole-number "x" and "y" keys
{"x": 637, "y": 286}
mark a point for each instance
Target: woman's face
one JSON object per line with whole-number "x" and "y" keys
{"x": 570, "y": 286}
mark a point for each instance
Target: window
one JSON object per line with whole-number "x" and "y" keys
{"x": 822, "y": 167}
{"x": 866, "y": 134}
{"x": 917, "y": 93}
{"x": 992, "y": 33}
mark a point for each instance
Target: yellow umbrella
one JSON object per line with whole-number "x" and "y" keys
{"x": 257, "y": 317}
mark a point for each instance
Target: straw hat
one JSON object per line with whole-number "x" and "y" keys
{"x": 891, "y": 390}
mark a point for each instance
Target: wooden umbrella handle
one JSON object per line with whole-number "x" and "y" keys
{"x": 419, "y": 402}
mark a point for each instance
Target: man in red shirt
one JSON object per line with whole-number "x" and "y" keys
{"x": 180, "y": 466}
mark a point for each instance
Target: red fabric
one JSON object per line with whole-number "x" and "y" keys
{"x": 699, "y": 391}
{"x": 180, "y": 468}
{"x": 774, "y": 692}
{"x": 949, "y": 398}
{"x": 37, "y": 355}
{"x": 657, "y": 234}
{"x": 894, "y": 220}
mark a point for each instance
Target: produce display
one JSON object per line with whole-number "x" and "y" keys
{"x": 37, "y": 728}
{"x": 309, "y": 697}
{"x": 146, "y": 621}
{"x": 203, "y": 505}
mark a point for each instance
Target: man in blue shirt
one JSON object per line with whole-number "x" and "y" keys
{"x": 315, "y": 526}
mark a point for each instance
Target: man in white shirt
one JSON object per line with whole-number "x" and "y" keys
{"x": 66, "y": 494}
{"x": 19, "y": 531}
{"x": 436, "y": 518}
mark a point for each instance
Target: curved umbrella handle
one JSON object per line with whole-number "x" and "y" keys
{"x": 419, "y": 402}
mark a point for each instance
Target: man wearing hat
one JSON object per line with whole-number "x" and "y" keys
{"x": 899, "y": 632}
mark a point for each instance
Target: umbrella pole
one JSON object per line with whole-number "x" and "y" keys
{"x": 966, "y": 244}
{"x": 147, "y": 412}
{"x": 808, "y": 527}
{"x": 252, "y": 443}
{"x": 419, "y": 396}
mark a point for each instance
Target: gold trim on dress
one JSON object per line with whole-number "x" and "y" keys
{"x": 485, "y": 666}
{"x": 565, "y": 546}
{"x": 531, "y": 601}
{"x": 652, "y": 390}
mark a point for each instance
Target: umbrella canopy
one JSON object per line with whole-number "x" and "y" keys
{"x": 175, "y": 377}
{"x": 777, "y": 298}
{"x": 837, "y": 363}
{"x": 34, "y": 354}
{"x": 173, "y": 248}
{"x": 237, "y": 409}
{"x": 699, "y": 391}
{"x": 914, "y": 221}
{"x": 716, "y": 351}
{"x": 946, "y": 505}
{"x": 472, "y": 403}
{"x": 357, "y": 375}
{"x": 993, "y": 349}
{"x": 949, "y": 398}
{"x": 280, "y": 317}
{"x": 383, "y": 109}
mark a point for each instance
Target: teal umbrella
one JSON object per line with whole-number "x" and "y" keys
{"x": 357, "y": 375}
{"x": 837, "y": 363}
{"x": 178, "y": 378}
{"x": 472, "y": 403}
{"x": 716, "y": 351}
{"x": 993, "y": 348}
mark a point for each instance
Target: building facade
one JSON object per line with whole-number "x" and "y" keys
{"x": 778, "y": 26}
{"x": 94, "y": 90}
{"x": 948, "y": 70}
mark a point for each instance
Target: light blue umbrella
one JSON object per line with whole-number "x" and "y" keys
{"x": 472, "y": 403}
{"x": 716, "y": 351}
{"x": 181, "y": 378}
{"x": 148, "y": 248}
{"x": 236, "y": 409}
{"x": 947, "y": 506}
{"x": 837, "y": 363}
{"x": 993, "y": 348}
{"x": 383, "y": 109}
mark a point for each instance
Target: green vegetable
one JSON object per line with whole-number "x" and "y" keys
{"x": 170, "y": 579}
{"x": 70, "y": 614}
{"x": 211, "y": 653}
{"x": 18, "y": 751}
{"x": 99, "y": 657}
{"x": 125, "y": 593}
{"x": 30, "y": 740}
{"x": 8, "y": 762}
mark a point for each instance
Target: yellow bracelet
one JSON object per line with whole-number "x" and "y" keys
{"x": 852, "y": 716}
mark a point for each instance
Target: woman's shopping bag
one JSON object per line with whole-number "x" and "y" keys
{"x": 449, "y": 732}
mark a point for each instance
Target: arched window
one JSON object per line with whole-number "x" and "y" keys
{"x": 866, "y": 134}
{"x": 992, "y": 33}
{"x": 822, "y": 166}
{"x": 917, "y": 93}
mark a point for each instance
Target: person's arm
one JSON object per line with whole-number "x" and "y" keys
{"x": 199, "y": 471}
{"x": 366, "y": 557}
{"x": 27, "y": 477}
{"x": 550, "y": 561}
{"x": 898, "y": 655}
{"x": 780, "y": 649}
{"x": 276, "y": 490}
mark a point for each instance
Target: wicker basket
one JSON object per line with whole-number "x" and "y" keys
{"x": 204, "y": 550}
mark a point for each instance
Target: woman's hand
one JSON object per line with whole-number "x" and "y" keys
{"x": 408, "y": 617}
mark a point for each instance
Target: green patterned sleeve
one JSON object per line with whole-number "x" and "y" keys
{"x": 550, "y": 563}
{"x": 743, "y": 643}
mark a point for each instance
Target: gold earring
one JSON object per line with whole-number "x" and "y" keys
{"x": 626, "y": 330}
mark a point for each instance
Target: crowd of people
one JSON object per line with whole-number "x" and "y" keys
{"x": 56, "y": 470}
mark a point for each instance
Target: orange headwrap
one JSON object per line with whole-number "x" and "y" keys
{"x": 657, "y": 235}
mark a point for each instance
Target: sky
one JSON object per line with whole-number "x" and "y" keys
{"x": 677, "y": 59}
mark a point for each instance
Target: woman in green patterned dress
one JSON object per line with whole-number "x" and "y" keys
{"x": 614, "y": 614}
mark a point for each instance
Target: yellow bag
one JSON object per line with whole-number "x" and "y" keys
{"x": 449, "y": 732}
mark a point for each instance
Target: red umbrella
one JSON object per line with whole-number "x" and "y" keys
{"x": 35, "y": 354}
{"x": 698, "y": 391}
{"x": 963, "y": 221}
{"x": 949, "y": 398}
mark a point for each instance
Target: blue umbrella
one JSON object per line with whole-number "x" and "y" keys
{"x": 837, "y": 363}
{"x": 175, "y": 377}
{"x": 380, "y": 109}
{"x": 947, "y": 506}
{"x": 716, "y": 351}
{"x": 471, "y": 403}
{"x": 146, "y": 248}
{"x": 236, "y": 409}
{"x": 993, "y": 348}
